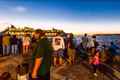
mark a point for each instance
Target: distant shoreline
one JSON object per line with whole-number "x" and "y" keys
{"x": 106, "y": 34}
{"x": 100, "y": 34}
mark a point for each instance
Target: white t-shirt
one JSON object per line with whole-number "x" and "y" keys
{"x": 85, "y": 41}
{"x": 58, "y": 43}
{"x": 90, "y": 43}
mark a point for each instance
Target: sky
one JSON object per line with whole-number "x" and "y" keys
{"x": 77, "y": 16}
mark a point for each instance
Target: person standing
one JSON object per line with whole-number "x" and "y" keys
{"x": 95, "y": 62}
{"x": 71, "y": 52}
{"x": 90, "y": 45}
{"x": 42, "y": 58}
{"x": 78, "y": 40}
{"x": 6, "y": 44}
{"x": 85, "y": 41}
{"x": 26, "y": 44}
{"x": 19, "y": 43}
{"x": 93, "y": 45}
{"x": 14, "y": 45}
{"x": 33, "y": 43}
{"x": 58, "y": 45}
{"x": 1, "y": 45}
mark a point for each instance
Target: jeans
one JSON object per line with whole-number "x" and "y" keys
{"x": 6, "y": 49}
{"x": 95, "y": 68}
{"x": 14, "y": 49}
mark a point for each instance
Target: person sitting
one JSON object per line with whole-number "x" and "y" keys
{"x": 22, "y": 72}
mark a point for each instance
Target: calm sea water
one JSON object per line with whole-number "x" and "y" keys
{"x": 108, "y": 38}
{"x": 105, "y": 39}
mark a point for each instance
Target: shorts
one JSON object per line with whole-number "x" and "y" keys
{"x": 58, "y": 53}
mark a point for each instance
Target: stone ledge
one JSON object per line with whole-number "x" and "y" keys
{"x": 57, "y": 76}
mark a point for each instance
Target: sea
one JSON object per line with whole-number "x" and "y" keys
{"x": 107, "y": 39}
{"x": 102, "y": 39}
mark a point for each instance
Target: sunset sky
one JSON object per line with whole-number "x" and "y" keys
{"x": 83, "y": 16}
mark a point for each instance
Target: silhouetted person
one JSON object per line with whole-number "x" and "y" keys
{"x": 113, "y": 51}
{"x": 14, "y": 45}
{"x": 42, "y": 58}
{"x": 85, "y": 41}
{"x": 71, "y": 52}
{"x": 1, "y": 45}
{"x": 33, "y": 43}
{"x": 20, "y": 47}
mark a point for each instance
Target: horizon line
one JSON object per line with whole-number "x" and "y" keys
{"x": 53, "y": 27}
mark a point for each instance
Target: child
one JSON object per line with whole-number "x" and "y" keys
{"x": 22, "y": 72}
{"x": 95, "y": 62}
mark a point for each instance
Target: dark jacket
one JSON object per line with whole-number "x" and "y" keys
{"x": 113, "y": 49}
{"x": 14, "y": 40}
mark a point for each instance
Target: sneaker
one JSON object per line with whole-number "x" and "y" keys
{"x": 95, "y": 74}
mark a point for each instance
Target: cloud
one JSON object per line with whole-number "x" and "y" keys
{"x": 20, "y": 9}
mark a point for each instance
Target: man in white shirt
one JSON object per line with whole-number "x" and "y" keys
{"x": 90, "y": 43}
{"x": 58, "y": 45}
{"x": 85, "y": 41}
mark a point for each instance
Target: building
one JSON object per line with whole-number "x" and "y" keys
{"x": 12, "y": 30}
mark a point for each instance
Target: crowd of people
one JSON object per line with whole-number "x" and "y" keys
{"x": 88, "y": 49}
{"x": 16, "y": 45}
{"x": 58, "y": 50}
